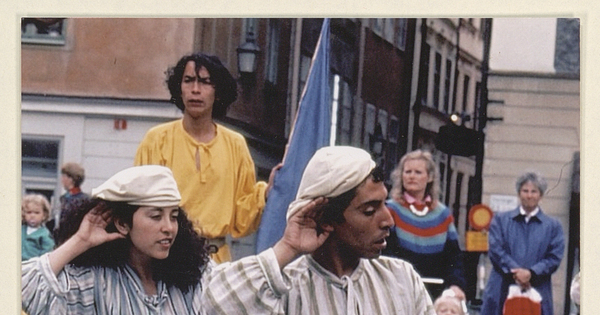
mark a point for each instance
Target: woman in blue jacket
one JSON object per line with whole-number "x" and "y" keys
{"x": 525, "y": 248}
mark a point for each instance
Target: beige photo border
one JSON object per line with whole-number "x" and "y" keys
{"x": 587, "y": 10}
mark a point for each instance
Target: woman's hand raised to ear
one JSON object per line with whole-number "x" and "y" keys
{"x": 92, "y": 232}
{"x": 301, "y": 234}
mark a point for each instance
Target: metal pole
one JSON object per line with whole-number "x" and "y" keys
{"x": 482, "y": 119}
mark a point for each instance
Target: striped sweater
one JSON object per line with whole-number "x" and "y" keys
{"x": 429, "y": 242}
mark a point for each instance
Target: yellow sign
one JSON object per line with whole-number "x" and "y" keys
{"x": 476, "y": 241}
{"x": 480, "y": 217}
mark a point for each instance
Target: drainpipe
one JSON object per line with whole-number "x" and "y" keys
{"x": 421, "y": 87}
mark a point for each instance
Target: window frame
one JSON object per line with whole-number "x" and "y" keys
{"x": 44, "y": 39}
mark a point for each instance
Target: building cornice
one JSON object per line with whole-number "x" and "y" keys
{"x": 543, "y": 75}
{"x": 98, "y": 106}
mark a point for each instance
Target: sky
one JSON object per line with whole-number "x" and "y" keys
{"x": 523, "y": 44}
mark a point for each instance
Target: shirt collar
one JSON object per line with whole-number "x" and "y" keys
{"x": 333, "y": 278}
{"x": 412, "y": 200}
{"x": 74, "y": 191}
{"x": 529, "y": 215}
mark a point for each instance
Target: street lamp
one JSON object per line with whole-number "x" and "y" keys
{"x": 247, "y": 53}
{"x": 460, "y": 118}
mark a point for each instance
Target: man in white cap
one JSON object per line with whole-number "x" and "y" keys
{"x": 328, "y": 260}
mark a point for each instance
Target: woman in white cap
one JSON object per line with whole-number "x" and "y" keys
{"x": 130, "y": 250}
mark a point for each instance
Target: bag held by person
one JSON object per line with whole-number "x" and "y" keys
{"x": 522, "y": 302}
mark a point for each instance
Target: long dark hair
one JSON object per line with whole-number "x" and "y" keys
{"x": 183, "y": 268}
{"x": 224, "y": 83}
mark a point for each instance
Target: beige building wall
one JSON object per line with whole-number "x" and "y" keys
{"x": 443, "y": 35}
{"x": 540, "y": 131}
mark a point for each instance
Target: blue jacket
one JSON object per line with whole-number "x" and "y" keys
{"x": 537, "y": 245}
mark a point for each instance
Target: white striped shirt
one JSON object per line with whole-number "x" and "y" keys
{"x": 255, "y": 285}
{"x": 98, "y": 290}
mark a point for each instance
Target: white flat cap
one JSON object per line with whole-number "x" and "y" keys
{"x": 147, "y": 185}
{"x": 331, "y": 172}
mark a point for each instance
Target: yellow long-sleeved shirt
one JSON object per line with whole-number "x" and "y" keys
{"x": 217, "y": 180}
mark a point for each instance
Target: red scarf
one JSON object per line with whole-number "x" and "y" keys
{"x": 417, "y": 207}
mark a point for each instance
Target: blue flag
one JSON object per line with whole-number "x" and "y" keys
{"x": 310, "y": 132}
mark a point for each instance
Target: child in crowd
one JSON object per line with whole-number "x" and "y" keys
{"x": 35, "y": 237}
{"x": 448, "y": 305}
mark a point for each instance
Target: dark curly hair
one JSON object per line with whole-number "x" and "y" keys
{"x": 183, "y": 268}
{"x": 225, "y": 84}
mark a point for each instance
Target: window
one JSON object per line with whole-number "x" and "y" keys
{"x": 437, "y": 77}
{"x": 388, "y": 30}
{"x": 477, "y": 102}
{"x": 369, "y": 123}
{"x": 447, "y": 80}
{"x": 442, "y": 159}
{"x": 272, "y": 52}
{"x": 40, "y": 166}
{"x": 46, "y": 31}
{"x": 465, "y": 92}
{"x": 447, "y": 184}
{"x": 382, "y": 119}
{"x": 39, "y": 158}
{"x": 334, "y": 108}
{"x": 378, "y": 26}
{"x": 457, "y": 191}
{"x": 392, "y": 149}
{"x": 425, "y": 72}
{"x": 342, "y": 106}
{"x": 401, "y": 33}
{"x": 304, "y": 68}
{"x": 358, "y": 122}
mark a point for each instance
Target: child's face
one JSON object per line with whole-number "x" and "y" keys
{"x": 447, "y": 308}
{"x": 34, "y": 214}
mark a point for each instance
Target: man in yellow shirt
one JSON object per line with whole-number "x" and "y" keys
{"x": 211, "y": 163}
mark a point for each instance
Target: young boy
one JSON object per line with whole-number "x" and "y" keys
{"x": 35, "y": 237}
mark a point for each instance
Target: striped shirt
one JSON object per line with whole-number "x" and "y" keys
{"x": 255, "y": 285}
{"x": 98, "y": 290}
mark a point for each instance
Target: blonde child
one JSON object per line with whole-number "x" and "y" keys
{"x": 35, "y": 237}
{"x": 448, "y": 305}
